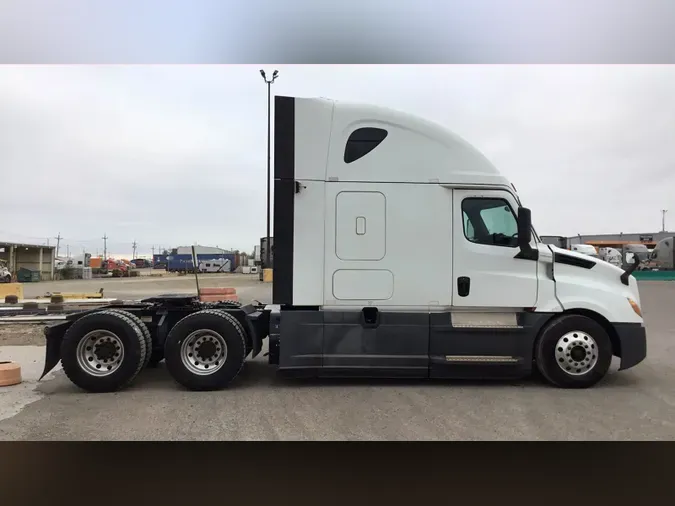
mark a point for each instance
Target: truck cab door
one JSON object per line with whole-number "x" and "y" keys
{"x": 488, "y": 271}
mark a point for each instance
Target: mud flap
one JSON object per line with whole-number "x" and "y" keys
{"x": 54, "y": 337}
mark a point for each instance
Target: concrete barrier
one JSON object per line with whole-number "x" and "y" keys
{"x": 218, "y": 294}
{"x": 11, "y": 289}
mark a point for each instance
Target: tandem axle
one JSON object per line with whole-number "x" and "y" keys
{"x": 204, "y": 344}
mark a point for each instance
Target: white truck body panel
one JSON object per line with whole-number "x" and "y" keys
{"x": 359, "y": 224}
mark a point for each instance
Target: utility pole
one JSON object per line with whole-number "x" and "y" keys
{"x": 153, "y": 251}
{"x": 58, "y": 243}
{"x": 663, "y": 219}
{"x": 134, "y": 247}
{"x": 105, "y": 247}
{"x": 269, "y": 82}
{"x": 67, "y": 251}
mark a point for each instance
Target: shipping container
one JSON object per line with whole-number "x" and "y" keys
{"x": 183, "y": 262}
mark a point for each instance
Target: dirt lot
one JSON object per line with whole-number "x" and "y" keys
{"x": 638, "y": 404}
{"x": 22, "y": 335}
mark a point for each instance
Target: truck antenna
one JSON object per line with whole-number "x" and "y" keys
{"x": 194, "y": 265}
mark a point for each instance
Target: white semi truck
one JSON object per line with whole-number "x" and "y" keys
{"x": 357, "y": 189}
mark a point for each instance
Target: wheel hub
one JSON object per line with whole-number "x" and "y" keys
{"x": 206, "y": 350}
{"x": 576, "y": 353}
{"x": 203, "y": 352}
{"x": 100, "y": 352}
{"x": 105, "y": 350}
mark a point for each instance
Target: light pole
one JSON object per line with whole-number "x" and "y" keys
{"x": 269, "y": 82}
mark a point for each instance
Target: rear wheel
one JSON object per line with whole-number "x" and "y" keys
{"x": 144, "y": 329}
{"x": 573, "y": 351}
{"x": 206, "y": 350}
{"x": 103, "y": 351}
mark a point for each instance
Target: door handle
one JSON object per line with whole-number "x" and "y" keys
{"x": 463, "y": 286}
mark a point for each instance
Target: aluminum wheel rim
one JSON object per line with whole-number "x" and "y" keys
{"x": 203, "y": 352}
{"x": 100, "y": 353}
{"x": 576, "y": 353}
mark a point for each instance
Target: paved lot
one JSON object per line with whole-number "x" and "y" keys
{"x": 631, "y": 405}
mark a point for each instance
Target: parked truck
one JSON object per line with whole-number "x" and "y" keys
{"x": 355, "y": 186}
{"x": 611, "y": 255}
{"x": 585, "y": 249}
{"x": 662, "y": 258}
{"x": 635, "y": 252}
{"x": 5, "y": 275}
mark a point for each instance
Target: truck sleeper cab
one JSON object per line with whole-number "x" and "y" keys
{"x": 399, "y": 251}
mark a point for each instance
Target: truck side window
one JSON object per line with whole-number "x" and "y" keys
{"x": 490, "y": 221}
{"x": 363, "y": 141}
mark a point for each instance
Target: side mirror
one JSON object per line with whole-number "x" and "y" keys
{"x": 524, "y": 228}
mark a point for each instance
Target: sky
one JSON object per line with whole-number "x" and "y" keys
{"x": 170, "y": 155}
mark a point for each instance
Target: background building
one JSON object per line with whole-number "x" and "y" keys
{"x": 34, "y": 257}
{"x": 649, "y": 239}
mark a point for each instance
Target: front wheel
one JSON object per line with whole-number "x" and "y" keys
{"x": 205, "y": 350}
{"x": 7, "y": 279}
{"x": 573, "y": 351}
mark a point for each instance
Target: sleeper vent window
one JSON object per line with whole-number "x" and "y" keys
{"x": 363, "y": 141}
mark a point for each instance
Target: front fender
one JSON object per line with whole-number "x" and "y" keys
{"x": 614, "y": 308}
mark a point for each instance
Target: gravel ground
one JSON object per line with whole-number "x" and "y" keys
{"x": 638, "y": 404}
{"x": 22, "y": 335}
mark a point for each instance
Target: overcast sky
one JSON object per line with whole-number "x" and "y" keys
{"x": 173, "y": 155}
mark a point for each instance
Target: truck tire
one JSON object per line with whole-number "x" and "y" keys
{"x": 206, "y": 350}
{"x": 573, "y": 351}
{"x": 103, "y": 351}
{"x": 144, "y": 329}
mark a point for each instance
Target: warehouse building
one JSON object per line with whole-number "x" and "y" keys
{"x": 35, "y": 258}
